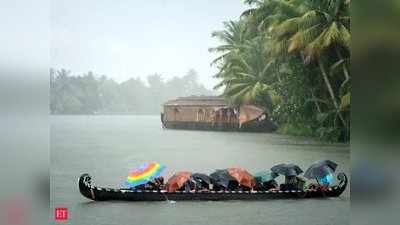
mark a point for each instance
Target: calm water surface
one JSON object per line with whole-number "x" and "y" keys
{"x": 108, "y": 146}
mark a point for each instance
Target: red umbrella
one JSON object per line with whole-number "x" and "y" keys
{"x": 177, "y": 181}
{"x": 242, "y": 176}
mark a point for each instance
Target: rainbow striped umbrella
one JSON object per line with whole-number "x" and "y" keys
{"x": 143, "y": 174}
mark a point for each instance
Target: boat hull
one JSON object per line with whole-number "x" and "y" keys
{"x": 254, "y": 126}
{"x": 103, "y": 194}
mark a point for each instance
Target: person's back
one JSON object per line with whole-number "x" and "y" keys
{"x": 290, "y": 183}
{"x": 140, "y": 187}
{"x": 325, "y": 182}
{"x": 159, "y": 183}
{"x": 272, "y": 184}
{"x": 243, "y": 188}
{"x": 187, "y": 186}
{"x": 300, "y": 183}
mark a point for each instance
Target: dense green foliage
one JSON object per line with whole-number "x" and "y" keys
{"x": 292, "y": 57}
{"x": 91, "y": 94}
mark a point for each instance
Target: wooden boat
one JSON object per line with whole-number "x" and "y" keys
{"x": 103, "y": 194}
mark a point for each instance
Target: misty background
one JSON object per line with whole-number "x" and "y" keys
{"x": 91, "y": 93}
{"x": 125, "y": 39}
{"x": 140, "y": 53}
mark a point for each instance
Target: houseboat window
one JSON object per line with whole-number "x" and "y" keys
{"x": 176, "y": 114}
{"x": 201, "y": 115}
{"x": 228, "y": 115}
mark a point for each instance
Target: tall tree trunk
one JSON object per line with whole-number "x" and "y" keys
{"x": 345, "y": 70}
{"x": 330, "y": 90}
{"x": 347, "y": 78}
{"x": 315, "y": 102}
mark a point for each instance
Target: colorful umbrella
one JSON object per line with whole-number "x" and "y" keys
{"x": 177, "y": 181}
{"x": 144, "y": 173}
{"x": 242, "y": 176}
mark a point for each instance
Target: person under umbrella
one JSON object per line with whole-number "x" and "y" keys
{"x": 201, "y": 180}
{"x": 290, "y": 171}
{"x": 222, "y": 180}
{"x": 322, "y": 171}
{"x": 144, "y": 176}
{"x": 179, "y": 181}
{"x": 243, "y": 177}
{"x": 156, "y": 184}
{"x": 266, "y": 180}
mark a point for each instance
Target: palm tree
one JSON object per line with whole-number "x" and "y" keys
{"x": 246, "y": 75}
{"x": 267, "y": 13}
{"x": 233, "y": 37}
{"x": 323, "y": 26}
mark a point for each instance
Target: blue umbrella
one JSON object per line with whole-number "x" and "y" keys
{"x": 326, "y": 180}
{"x": 320, "y": 169}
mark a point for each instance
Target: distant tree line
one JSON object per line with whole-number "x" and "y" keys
{"x": 93, "y": 94}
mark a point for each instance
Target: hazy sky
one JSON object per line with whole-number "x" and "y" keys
{"x": 123, "y": 39}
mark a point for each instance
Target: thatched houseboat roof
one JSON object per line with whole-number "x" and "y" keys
{"x": 198, "y": 101}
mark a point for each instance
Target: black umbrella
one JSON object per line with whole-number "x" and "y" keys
{"x": 223, "y": 178}
{"x": 201, "y": 177}
{"x": 289, "y": 169}
{"x": 320, "y": 169}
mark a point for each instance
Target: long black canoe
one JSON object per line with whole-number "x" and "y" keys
{"x": 103, "y": 194}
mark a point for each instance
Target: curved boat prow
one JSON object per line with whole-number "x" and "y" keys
{"x": 338, "y": 189}
{"x": 342, "y": 183}
{"x": 85, "y": 183}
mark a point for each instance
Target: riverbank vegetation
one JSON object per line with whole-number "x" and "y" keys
{"x": 293, "y": 58}
{"x": 94, "y": 94}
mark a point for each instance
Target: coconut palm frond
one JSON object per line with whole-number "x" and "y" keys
{"x": 288, "y": 27}
{"x": 345, "y": 37}
{"x": 303, "y": 37}
{"x": 309, "y": 19}
{"x": 219, "y": 58}
{"x": 240, "y": 96}
{"x": 345, "y": 101}
{"x": 244, "y": 64}
{"x": 235, "y": 88}
{"x": 221, "y": 48}
{"x": 247, "y": 76}
{"x": 249, "y": 12}
{"x": 289, "y": 8}
{"x": 252, "y": 2}
{"x": 314, "y": 49}
{"x": 219, "y": 85}
{"x": 332, "y": 35}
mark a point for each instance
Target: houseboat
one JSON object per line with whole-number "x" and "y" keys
{"x": 214, "y": 113}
